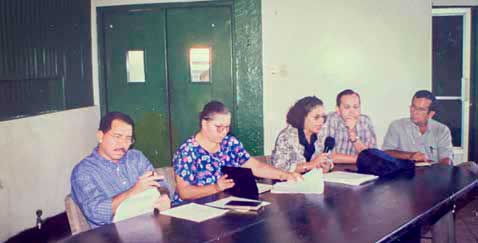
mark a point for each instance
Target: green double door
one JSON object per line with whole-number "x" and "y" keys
{"x": 162, "y": 65}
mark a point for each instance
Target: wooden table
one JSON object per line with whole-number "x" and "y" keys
{"x": 380, "y": 211}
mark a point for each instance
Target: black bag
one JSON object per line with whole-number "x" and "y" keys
{"x": 377, "y": 162}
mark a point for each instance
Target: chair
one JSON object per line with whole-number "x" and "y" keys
{"x": 169, "y": 178}
{"x": 76, "y": 219}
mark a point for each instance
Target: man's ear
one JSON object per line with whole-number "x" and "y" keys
{"x": 99, "y": 136}
{"x": 431, "y": 114}
{"x": 337, "y": 110}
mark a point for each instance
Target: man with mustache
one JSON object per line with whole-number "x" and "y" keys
{"x": 113, "y": 172}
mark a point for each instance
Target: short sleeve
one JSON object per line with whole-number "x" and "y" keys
{"x": 237, "y": 152}
{"x": 390, "y": 141}
{"x": 182, "y": 162}
{"x": 371, "y": 137}
{"x": 444, "y": 144}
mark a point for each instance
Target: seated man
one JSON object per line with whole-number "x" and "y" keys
{"x": 353, "y": 131}
{"x": 112, "y": 172}
{"x": 419, "y": 137}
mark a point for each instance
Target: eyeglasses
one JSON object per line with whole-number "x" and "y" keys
{"x": 121, "y": 138}
{"x": 419, "y": 109}
{"x": 221, "y": 129}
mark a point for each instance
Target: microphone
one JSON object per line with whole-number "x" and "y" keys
{"x": 329, "y": 144}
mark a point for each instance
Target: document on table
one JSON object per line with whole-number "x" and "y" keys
{"x": 194, "y": 212}
{"x": 263, "y": 187}
{"x": 138, "y": 204}
{"x": 424, "y": 163}
{"x": 313, "y": 183}
{"x": 348, "y": 178}
{"x": 222, "y": 202}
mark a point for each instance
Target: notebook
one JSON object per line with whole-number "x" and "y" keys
{"x": 244, "y": 182}
{"x": 348, "y": 178}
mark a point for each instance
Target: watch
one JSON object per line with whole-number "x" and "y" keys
{"x": 353, "y": 139}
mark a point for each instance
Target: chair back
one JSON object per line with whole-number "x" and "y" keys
{"x": 76, "y": 219}
{"x": 169, "y": 178}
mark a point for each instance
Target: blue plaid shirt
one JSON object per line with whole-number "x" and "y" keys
{"x": 96, "y": 180}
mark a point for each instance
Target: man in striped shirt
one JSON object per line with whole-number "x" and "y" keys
{"x": 113, "y": 172}
{"x": 353, "y": 131}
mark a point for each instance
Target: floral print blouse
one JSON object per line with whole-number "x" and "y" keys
{"x": 198, "y": 167}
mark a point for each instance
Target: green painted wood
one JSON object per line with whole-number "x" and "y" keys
{"x": 146, "y": 103}
{"x": 247, "y": 57}
{"x": 197, "y": 27}
{"x": 45, "y": 60}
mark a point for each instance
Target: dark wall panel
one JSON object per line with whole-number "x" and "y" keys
{"x": 45, "y": 56}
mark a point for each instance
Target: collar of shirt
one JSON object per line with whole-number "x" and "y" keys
{"x": 417, "y": 129}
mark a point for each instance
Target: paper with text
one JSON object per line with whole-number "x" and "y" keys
{"x": 194, "y": 212}
{"x": 313, "y": 183}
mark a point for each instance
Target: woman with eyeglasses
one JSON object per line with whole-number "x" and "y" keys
{"x": 198, "y": 161}
{"x": 296, "y": 147}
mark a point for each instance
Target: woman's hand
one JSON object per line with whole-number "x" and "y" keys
{"x": 290, "y": 176}
{"x": 223, "y": 183}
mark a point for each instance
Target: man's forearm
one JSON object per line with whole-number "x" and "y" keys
{"x": 399, "y": 154}
{"x": 118, "y": 199}
{"x": 344, "y": 158}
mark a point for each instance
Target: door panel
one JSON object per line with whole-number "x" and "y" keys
{"x": 447, "y": 55}
{"x": 197, "y": 27}
{"x": 146, "y": 102}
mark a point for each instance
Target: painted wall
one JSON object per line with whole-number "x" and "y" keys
{"x": 38, "y": 154}
{"x": 455, "y": 2}
{"x": 381, "y": 49}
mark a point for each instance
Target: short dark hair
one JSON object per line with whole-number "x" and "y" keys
{"x": 429, "y": 96}
{"x": 211, "y": 108}
{"x": 108, "y": 118}
{"x": 297, "y": 113}
{"x": 345, "y": 92}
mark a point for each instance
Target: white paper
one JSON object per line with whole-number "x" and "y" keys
{"x": 421, "y": 164}
{"x": 313, "y": 183}
{"x": 263, "y": 187}
{"x": 221, "y": 203}
{"x": 348, "y": 178}
{"x": 138, "y": 204}
{"x": 194, "y": 212}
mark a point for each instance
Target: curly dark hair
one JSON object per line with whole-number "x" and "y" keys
{"x": 297, "y": 113}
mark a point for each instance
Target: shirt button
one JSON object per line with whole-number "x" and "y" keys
{"x": 117, "y": 169}
{"x": 124, "y": 182}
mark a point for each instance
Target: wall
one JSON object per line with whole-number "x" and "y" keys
{"x": 381, "y": 49}
{"x": 38, "y": 154}
{"x": 455, "y": 2}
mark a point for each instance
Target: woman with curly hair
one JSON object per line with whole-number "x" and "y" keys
{"x": 296, "y": 148}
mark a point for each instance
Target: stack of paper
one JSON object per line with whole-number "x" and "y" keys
{"x": 194, "y": 212}
{"x": 313, "y": 183}
{"x": 222, "y": 202}
{"x": 348, "y": 178}
{"x": 138, "y": 204}
{"x": 263, "y": 187}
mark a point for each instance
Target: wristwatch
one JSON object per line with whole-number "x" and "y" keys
{"x": 353, "y": 139}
